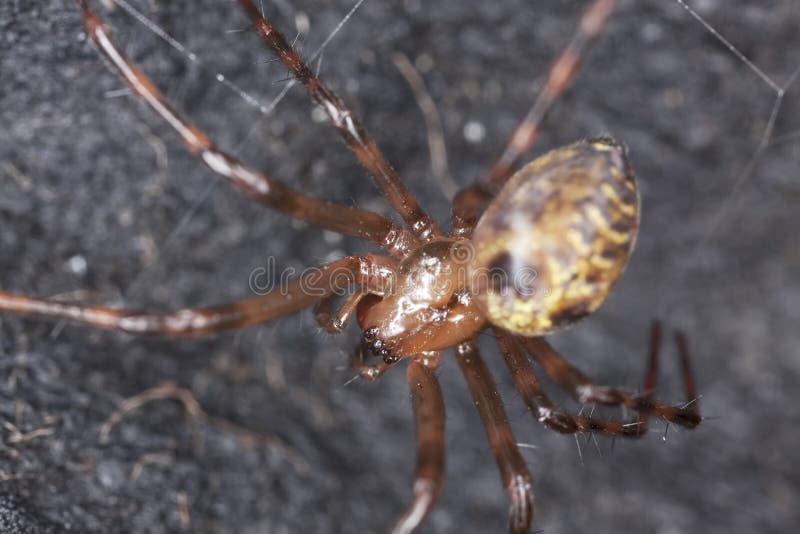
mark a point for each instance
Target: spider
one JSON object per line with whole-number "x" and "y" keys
{"x": 532, "y": 249}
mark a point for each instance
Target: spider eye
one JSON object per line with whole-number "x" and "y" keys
{"x": 555, "y": 240}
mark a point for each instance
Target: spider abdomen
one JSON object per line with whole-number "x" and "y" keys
{"x": 557, "y": 237}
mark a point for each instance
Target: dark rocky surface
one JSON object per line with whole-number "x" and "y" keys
{"x": 98, "y": 201}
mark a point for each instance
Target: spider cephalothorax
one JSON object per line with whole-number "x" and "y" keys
{"x": 554, "y": 239}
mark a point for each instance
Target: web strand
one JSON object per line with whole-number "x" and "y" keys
{"x": 191, "y": 56}
{"x": 767, "y": 139}
{"x": 736, "y": 52}
{"x": 265, "y": 109}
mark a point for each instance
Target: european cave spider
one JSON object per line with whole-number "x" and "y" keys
{"x": 547, "y": 250}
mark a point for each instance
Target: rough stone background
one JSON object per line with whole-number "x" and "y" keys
{"x": 99, "y": 202}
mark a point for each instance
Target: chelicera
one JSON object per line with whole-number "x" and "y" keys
{"x": 530, "y": 251}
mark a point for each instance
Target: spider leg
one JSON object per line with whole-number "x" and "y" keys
{"x": 257, "y": 185}
{"x": 426, "y": 397}
{"x": 433, "y": 124}
{"x": 543, "y": 409}
{"x": 688, "y": 377}
{"x": 310, "y": 287}
{"x": 585, "y": 392}
{"x": 469, "y": 201}
{"x": 516, "y": 477}
{"x": 349, "y": 128}
{"x": 336, "y": 322}
{"x": 365, "y": 371}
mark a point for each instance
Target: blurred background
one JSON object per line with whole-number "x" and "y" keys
{"x": 100, "y": 203}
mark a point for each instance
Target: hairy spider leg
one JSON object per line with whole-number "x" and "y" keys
{"x": 513, "y": 470}
{"x": 584, "y": 391}
{"x": 257, "y": 185}
{"x": 302, "y": 292}
{"x": 469, "y": 202}
{"x": 349, "y": 128}
{"x": 543, "y": 409}
{"x": 426, "y": 397}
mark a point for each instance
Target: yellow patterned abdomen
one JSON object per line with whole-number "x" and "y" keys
{"x": 557, "y": 237}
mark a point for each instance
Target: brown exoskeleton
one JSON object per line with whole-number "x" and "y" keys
{"x": 547, "y": 250}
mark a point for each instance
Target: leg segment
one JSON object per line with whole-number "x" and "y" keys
{"x": 348, "y": 126}
{"x": 469, "y": 202}
{"x": 688, "y": 377}
{"x": 429, "y": 415}
{"x": 545, "y": 411}
{"x": 259, "y": 186}
{"x": 366, "y": 371}
{"x": 516, "y": 477}
{"x": 433, "y": 124}
{"x": 585, "y": 392}
{"x": 309, "y": 288}
{"x": 335, "y": 322}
